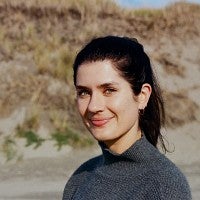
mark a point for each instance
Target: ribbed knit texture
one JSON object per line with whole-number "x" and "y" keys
{"x": 140, "y": 173}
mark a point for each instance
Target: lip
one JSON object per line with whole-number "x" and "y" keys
{"x": 99, "y": 122}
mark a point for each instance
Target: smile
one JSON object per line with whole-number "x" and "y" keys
{"x": 100, "y": 122}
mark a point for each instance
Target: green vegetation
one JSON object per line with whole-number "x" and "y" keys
{"x": 71, "y": 138}
{"x": 65, "y": 137}
{"x": 9, "y": 148}
{"x": 63, "y": 134}
{"x": 61, "y": 138}
{"x": 31, "y": 137}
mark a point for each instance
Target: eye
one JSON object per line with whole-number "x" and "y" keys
{"x": 82, "y": 93}
{"x": 109, "y": 91}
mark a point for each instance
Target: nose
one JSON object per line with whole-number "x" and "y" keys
{"x": 96, "y": 103}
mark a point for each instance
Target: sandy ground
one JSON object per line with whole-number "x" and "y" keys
{"x": 43, "y": 176}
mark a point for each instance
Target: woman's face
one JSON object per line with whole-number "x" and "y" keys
{"x": 106, "y": 103}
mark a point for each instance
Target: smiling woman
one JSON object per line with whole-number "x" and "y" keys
{"x": 119, "y": 101}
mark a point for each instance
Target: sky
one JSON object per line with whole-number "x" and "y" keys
{"x": 149, "y": 3}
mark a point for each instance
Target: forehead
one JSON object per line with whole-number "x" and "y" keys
{"x": 97, "y": 72}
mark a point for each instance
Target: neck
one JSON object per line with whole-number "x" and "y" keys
{"x": 123, "y": 143}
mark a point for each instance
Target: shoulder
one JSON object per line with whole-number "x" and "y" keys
{"x": 170, "y": 182}
{"x": 166, "y": 178}
{"x": 90, "y": 165}
{"x": 84, "y": 170}
{"x": 80, "y": 175}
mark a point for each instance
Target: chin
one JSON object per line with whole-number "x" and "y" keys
{"x": 101, "y": 135}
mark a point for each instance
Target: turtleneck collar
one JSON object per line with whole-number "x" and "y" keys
{"x": 140, "y": 151}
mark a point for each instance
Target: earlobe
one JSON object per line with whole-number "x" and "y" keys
{"x": 144, "y": 95}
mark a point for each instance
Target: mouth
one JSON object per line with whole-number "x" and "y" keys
{"x": 100, "y": 122}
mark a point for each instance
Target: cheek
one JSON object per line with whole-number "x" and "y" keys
{"x": 82, "y": 106}
{"x": 125, "y": 107}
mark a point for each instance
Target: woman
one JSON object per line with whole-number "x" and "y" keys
{"x": 120, "y": 103}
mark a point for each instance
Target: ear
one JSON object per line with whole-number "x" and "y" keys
{"x": 144, "y": 95}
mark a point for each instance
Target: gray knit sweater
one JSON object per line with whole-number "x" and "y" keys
{"x": 140, "y": 173}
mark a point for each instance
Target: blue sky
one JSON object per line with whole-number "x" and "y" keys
{"x": 149, "y": 3}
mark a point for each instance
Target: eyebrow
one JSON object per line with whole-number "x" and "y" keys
{"x": 104, "y": 85}
{"x": 80, "y": 87}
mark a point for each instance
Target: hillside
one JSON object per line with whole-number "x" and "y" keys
{"x": 38, "y": 42}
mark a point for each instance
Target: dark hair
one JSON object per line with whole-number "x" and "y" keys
{"x": 133, "y": 64}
